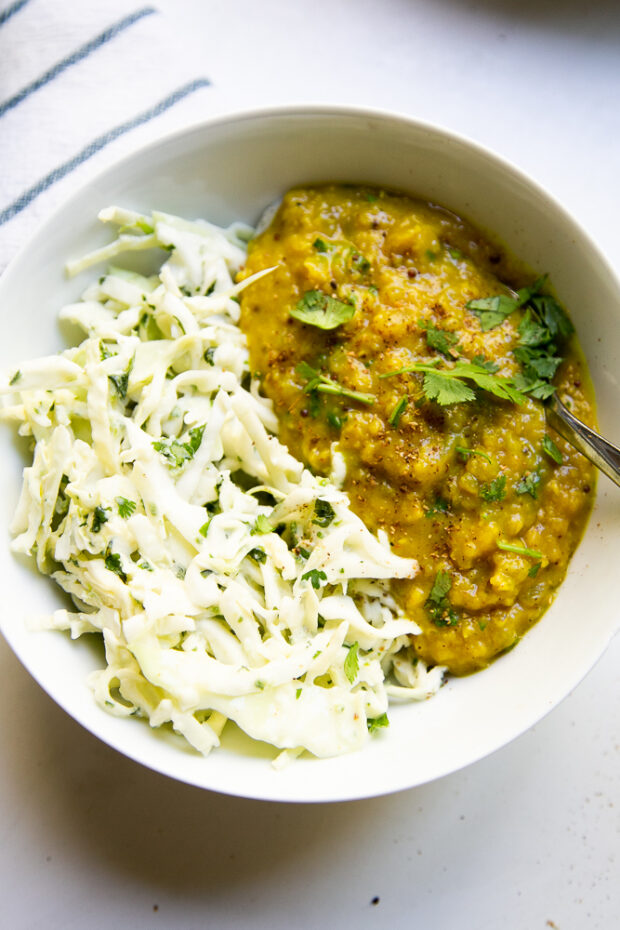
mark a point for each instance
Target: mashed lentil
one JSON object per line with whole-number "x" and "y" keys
{"x": 446, "y": 483}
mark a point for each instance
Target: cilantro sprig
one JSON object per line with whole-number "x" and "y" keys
{"x": 448, "y": 385}
{"x": 316, "y": 381}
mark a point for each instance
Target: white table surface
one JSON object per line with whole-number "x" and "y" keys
{"x": 527, "y": 839}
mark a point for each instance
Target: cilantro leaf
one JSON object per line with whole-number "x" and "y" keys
{"x": 529, "y": 484}
{"x": 352, "y": 663}
{"x": 553, "y": 317}
{"x": 176, "y": 452}
{"x": 447, "y": 385}
{"x": 318, "y": 309}
{"x": 125, "y": 507}
{"x": 437, "y": 603}
{"x": 375, "y": 723}
{"x": 320, "y": 245}
{"x": 100, "y": 517}
{"x": 440, "y": 339}
{"x": 550, "y": 449}
{"x": 324, "y": 513}
{"x": 492, "y": 311}
{"x": 493, "y": 491}
{"x": 262, "y": 526}
{"x": 113, "y": 564}
{"x": 315, "y": 577}
{"x": 445, "y": 389}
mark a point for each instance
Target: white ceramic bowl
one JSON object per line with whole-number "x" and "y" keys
{"x": 231, "y": 169}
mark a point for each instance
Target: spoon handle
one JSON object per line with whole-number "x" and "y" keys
{"x": 600, "y": 452}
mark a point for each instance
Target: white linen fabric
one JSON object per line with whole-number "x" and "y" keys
{"x": 80, "y": 85}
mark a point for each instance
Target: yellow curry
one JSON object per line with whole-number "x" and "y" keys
{"x": 390, "y": 338}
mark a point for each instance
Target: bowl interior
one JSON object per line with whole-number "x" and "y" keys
{"x": 232, "y": 169}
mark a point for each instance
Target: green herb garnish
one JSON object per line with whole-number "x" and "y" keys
{"x": 324, "y": 513}
{"x": 209, "y": 355}
{"x": 315, "y": 577}
{"x": 100, "y": 517}
{"x": 125, "y": 507}
{"x": 397, "y": 412}
{"x": 334, "y": 419}
{"x": 440, "y": 505}
{"x": 375, "y": 723}
{"x": 494, "y": 490}
{"x": 177, "y": 453}
{"x": 113, "y": 564}
{"x": 550, "y": 449}
{"x": 520, "y": 550}
{"x": 262, "y": 526}
{"x": 462, "y": 450}
{"x": 320, "y": 245}
{"x": 529, "y": 484}
{"x": 438, "y": 604}
{"x": 258, "y": 555}
{"x": 15, "y": 378}
{"x": 448, "y": 385}
{"x": 318, "y": 309}
{"x": 352, "y": 663}
{"x": 440, "y": 339}
{"x": 316, "y": 381}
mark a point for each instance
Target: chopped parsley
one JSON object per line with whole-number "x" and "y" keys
{"x": 375, "y": 723}
{"x": 438, "y": 604}
{"x": 209, "y": 355}
{"x": 318, "y": 309}
{"x": 100, "y": 517}
{"x": 316, "y": 381}
{"x": 397, "y": 412}
{"x": 320, "y": 245}
{"x": 324, "y": 513}
{"x": 15, "y": 378}
{"x": 204, "y": 529}
{"x": 550, "y": 449}
{"x": 258, "y": 555}
{"x": 352, "y": 663}
{"x": 315, "y": 577}
{"x": 493, "y": 490}
{"x": 125, "y": 507}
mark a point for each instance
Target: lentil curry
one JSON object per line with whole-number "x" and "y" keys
{"x": 388, "y": 332}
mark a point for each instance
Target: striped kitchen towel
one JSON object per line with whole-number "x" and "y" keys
{"x": 81, "y": 83}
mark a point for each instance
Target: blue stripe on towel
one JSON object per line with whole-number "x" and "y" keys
{"x": 100, "y": 142}
{"x": 75, "y": 57}
{"x": 11, "y": 10}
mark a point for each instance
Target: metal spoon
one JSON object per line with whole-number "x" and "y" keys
{"x": 600, "y": 452}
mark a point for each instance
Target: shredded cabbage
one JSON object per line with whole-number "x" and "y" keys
{"x": 229, "y": 583}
